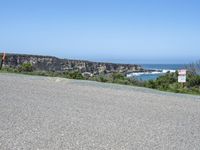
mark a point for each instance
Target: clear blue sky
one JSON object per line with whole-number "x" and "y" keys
{"x": 136, "y": 31}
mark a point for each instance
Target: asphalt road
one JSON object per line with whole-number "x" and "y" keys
{"x": 54, "y": 113}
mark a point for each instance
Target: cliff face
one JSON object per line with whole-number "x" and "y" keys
{"x": 49, "y": 63}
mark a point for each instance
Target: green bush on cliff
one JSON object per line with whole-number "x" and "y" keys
{"x": 74, "y": 75}
{"x": 25, "y": 67}
{"x": 117, "y": 76}
{"x": 120, "y": 78}
{"x": 103, "y": 79}
{"x": 100, "y": 78}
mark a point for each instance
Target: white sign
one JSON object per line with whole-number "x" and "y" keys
{"x": 182, "y": 78}
{"x": 182, "y": 72}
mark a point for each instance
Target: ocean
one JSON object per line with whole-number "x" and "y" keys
{"x": 160, "y": 69}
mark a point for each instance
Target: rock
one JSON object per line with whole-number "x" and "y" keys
{"x": 49, "y": 63}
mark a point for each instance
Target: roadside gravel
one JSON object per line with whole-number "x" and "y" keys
{"x": 55, "y": 113}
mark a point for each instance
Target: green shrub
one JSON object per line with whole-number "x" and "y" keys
{"x": 193, "y": 80}
{"x": 150, "y": 84}
{"x": 117, "y": 76}
{"x": 74, "y": 75}
{"x": 9, "y": 69}
{"x": 103, "y": 79}
{"x": 26, "y": 67}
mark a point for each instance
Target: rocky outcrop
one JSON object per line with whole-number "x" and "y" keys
{"x": 49, "y": 63}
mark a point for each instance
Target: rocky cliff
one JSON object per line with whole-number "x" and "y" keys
{"x": 49, "y": 63}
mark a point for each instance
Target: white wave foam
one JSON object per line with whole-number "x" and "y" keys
{"x": 157, "y": 71}
{"x": 168, "y": 70}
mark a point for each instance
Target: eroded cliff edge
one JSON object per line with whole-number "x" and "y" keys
{"x": 49, "y": 63}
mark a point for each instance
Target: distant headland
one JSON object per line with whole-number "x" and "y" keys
{"x": 50, "y": 63}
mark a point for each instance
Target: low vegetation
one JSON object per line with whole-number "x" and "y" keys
{"x": 167, "y": 82}
{"x": 117, "y": 78}
{"x": 25, "y": 67}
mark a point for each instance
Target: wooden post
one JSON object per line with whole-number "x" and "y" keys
{"x": 1, "y": 64}
{"x": 3, "y": 60}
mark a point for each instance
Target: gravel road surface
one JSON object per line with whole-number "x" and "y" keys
{"x": 44, "y": 113}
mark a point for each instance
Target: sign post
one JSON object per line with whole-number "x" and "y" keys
{"x": 182, "y": 76}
